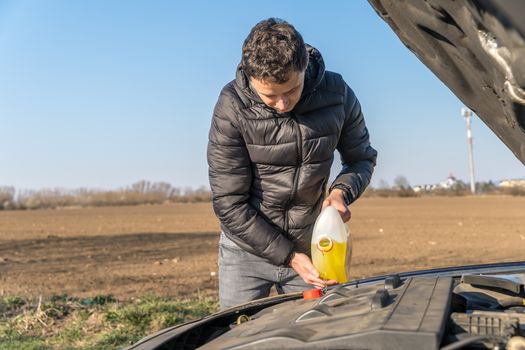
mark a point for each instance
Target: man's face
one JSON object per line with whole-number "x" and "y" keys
{"x": 281, "y": 97}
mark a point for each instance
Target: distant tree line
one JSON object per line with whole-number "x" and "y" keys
{"x": 146, "y": 192}
{"x": 402, "y": 188}
{"x": 141, "y": 192}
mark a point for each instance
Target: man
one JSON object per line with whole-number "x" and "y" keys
{"x": 271, "y": 145}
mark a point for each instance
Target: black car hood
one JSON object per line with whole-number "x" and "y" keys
{"x": 477, "y": 48}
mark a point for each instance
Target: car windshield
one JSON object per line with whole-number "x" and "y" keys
{"x": 106, "y": 111}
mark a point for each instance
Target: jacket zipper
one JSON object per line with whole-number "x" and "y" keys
{"x": 299, "y": 145}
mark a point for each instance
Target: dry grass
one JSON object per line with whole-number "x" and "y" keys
{"x": 97, "y": 323}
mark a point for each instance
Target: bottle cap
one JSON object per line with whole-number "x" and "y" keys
{"x": 312, "y": 294}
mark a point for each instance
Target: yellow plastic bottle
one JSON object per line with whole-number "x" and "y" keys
{"x": 331, "y": 246}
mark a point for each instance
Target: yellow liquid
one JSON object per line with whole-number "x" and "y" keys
{"x": 331, "y": 265}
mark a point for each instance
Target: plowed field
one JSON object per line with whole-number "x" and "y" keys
{"x": 171, "y": 250}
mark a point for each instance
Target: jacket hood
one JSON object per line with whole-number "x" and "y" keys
{"x": 314, "y": 75}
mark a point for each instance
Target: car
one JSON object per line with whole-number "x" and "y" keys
{"x": 477, "y": 48}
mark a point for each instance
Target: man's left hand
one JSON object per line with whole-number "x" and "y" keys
{"x": 336, "y": 200}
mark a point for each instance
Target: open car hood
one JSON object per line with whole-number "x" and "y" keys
{"x": 477, "y": 48}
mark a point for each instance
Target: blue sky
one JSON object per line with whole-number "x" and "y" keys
{"x": 105, "y": 93}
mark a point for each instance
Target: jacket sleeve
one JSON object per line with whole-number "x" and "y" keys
{"x": 357, "y": 156}
{"x": 230, "y": 176}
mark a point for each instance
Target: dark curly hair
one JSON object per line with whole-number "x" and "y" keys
{"x": 272, "y": 50}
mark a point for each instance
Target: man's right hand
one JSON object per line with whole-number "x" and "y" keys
{"x": 302, "y": 264}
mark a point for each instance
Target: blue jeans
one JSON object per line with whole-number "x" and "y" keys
{"x": 244, "y": 276}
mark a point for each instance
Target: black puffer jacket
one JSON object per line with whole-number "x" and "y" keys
{"x": 268, "y": 171}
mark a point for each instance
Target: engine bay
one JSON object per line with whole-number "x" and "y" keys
{"x": 473, "y": 311}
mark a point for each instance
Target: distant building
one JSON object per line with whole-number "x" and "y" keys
{"x": 512, "y": 183}
{"x": 447, "y": 184}
{"x": 424, "y": 188}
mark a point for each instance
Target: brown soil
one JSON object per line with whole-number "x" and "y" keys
{"x": 172, "y": 250}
